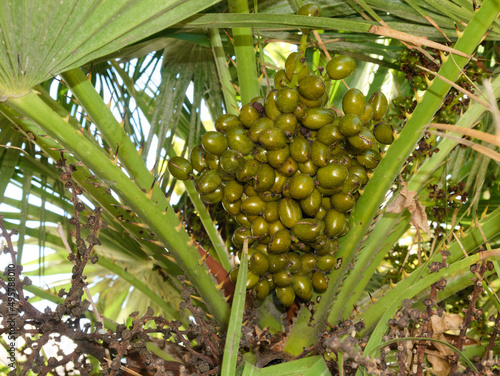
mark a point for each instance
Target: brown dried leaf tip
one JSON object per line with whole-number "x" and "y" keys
{"x": 440, "y": 325}
{"x": 406, "y": 199}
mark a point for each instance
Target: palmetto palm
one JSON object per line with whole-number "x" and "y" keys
{"x": 59, "y": 59}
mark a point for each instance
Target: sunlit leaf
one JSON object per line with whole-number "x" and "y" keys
{"x": 41, "y": 38}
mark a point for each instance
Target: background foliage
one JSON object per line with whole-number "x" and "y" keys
{"x": 118, "y": 87}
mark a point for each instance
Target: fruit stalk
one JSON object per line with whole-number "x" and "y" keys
{"x": 163, "y": 223}
{"x": 245, "y": 55}
{"x": 305, "y": 332}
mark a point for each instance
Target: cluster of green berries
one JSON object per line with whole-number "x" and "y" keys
{"x": 289, "y": 170}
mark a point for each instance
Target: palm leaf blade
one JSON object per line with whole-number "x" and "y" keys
{"x": 43, "y": 38}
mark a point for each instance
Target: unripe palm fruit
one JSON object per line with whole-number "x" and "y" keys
{"x": 308, "y": 262}
{"x": 383, "y": 132}
{"x": 238, "y": 140}
{"x": 320, "y": 153}
{"x": 379, "y": 104}
{"x": 300, "y": 111}
{"x": 288, "y": 168}
{"x": 233, "y": 190}
{"x": 308, "y": 168}
{"x": 258, "y": 100}
{"x": 279, "y": 182}
{"x": 260, "y": 154}
{"x": 285, "y": 295}
{"x": 343, "y": 202}
{"x": 252, "y": 205}
{"x": 311, "y": 204}
{"x": 283, "y": 278}
{"x": 260, "y": 230}
{"x": 332, "y": 176}
{"x": 258, "y": 263}
{"x": 197, "y": 158}
{"x": 335, "y": 223}
{"x": 287, "y": 123}
{"x": 180, "y": 168}
{"x": 226, "y": 122}
{"x": 280, "y": 241}
{"x": 277, "y": 262}
{"x": 308, "y": 102}
{"x": 329, "y": 134}
{"x": 354, "y": 102}
{"x": 311, "y": 87}
{"x": 340, "y": 67}
{"x": 287, "y": 100}
{"x": 308, "y": 229}
{"x": 272, "y": 138}
{"x": 320, "y": 243}
{"x": 248, "y": 115}
{"x": 258, "y": 126}
{"x": 231, "y": 161}
{"x": 315, "y": 118}
{"x": 342, "y": 158}
{"x": 208, "y": 182}
{"x": 265, "y": 177}
{"x": 233, "y": 274}
{"x": 319, "y": 281}
{"x": 270, "y": 213}
{"x": 289, "y": 212}
{"x": 271, "y": 109}
{"x": 239, "y": 236}
{"x": 214, "y": 142}
{"x": 301, "y": 186}
{"x": 213, "y": 161}
{"x": 249, "y": 170}
{"x": 233, "y": 208}
{"x": 290, "y": 66}
{"x": 360, "y": 172}
{"x": 249, "y": 189}
{"x": 300, "y": 149}
{"x": 294, "y": 264}
{"x": 311, "y": 10}
{"x": 268, "y": 196}
{"x": 364, "y": 140}
{"x": 277, "y": 158}
{"x": 242, "y": 220}
{"x": 369, "y": 158}
{"x": 252, "y": 280}
{"x": 326, "y": 263}
{"x": 302, "y": 286}
{"x": 280, "y": 79}
{"x": 212, "y": 198}
{"x": 350, "y": 125}
{"x": 262, "y": 289}
{"x": 368, "y": 114}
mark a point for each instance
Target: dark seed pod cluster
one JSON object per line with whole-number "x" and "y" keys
{"x": 289, "y": 170}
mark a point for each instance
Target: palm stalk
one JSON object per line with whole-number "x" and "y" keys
{"x": 219, "y": 246}
{"x": 83, "y": 176}
{"x": 245, "y": 55}
{"x": 305, "y": 332}
{"x": 161, "y": 221}
{"x": 386, "y": 225}
{"x": 223, "y": 71}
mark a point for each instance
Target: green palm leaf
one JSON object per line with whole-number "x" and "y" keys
{"x": 43, "y": 38}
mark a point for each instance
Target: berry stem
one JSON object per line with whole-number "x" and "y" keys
{"x": 245, "y": 55}
{"x": 300, "y": 63}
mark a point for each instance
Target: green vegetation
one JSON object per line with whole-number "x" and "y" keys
{"x": 352, "y": 144}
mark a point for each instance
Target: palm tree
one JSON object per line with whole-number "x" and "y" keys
{"x": 69, "y": 70}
